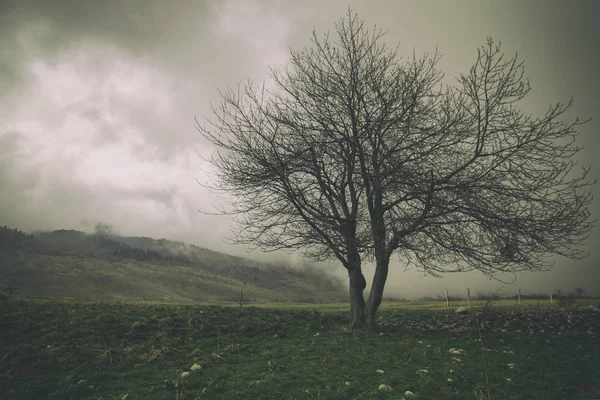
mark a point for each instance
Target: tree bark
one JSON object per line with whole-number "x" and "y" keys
{"x": 357, "y": 301}
{"x": 376, "y": 293}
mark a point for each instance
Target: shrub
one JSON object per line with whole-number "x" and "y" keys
{"x": 566, "y": 301}
{"x": 487, "y": 304}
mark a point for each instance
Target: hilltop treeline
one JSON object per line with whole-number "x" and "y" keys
{"x": 14, "y": 238}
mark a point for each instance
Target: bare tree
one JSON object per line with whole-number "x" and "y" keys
{"x": 356, "y": 156}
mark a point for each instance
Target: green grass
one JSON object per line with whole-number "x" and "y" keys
{"x": 502, "y": 304}
{"x": 90, "y": 350}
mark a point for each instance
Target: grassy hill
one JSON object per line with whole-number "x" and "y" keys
{"x": 69, "y": 263}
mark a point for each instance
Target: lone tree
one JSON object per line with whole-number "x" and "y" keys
{"x": 354, "y": 155}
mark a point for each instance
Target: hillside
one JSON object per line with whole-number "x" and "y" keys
{"x": 69, "y": 263}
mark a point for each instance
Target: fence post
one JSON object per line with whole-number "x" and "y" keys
{"x": 469, "y": 297}
{"x": 519, "y": 296}
{"x": 551, "y": 299}
{"x": 447, "y": 300}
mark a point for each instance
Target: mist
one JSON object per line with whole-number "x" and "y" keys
{"x": 97, "y": 107}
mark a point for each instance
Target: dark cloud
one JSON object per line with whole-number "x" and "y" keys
{"x": 189, "y": 47}
{"x": 137, "y": 25}
{"x": 145, "y": 31}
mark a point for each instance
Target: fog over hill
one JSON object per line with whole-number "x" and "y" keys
{"x": 70, "y": 263}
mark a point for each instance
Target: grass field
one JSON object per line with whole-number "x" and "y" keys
{"x": 62, "y": 349}
{"x": 501, "y": 304}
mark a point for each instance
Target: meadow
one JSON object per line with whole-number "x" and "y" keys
{"x": 73, "y": 349}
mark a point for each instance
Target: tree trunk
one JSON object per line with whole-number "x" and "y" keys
{"x": 357, "y": 301}
{"x": 376, "y": 293}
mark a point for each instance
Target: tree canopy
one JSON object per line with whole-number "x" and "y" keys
{"x": 352, "y": 153}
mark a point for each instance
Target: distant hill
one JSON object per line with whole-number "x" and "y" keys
{"x": 70, "y": 263}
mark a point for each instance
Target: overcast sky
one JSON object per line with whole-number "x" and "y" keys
{"x": 98, "y": 98}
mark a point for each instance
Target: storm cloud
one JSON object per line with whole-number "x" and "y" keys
{"x": 98, "y": 99}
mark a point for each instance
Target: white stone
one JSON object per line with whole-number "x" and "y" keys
{"x": 385, "y": 388}
{"x": 195, "y": 367}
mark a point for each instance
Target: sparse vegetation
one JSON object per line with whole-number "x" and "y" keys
{"x": 68, "y": 263}
{"x": 566, "y": 300}
{"x": 55, "y": 349}
{"x": 488, "y": 310}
